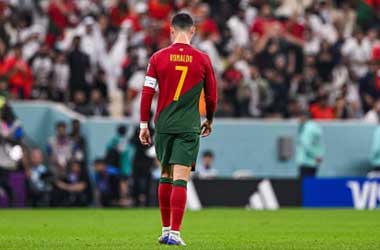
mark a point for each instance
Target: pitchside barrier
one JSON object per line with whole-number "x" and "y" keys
{"x": 257, "y": 194}
{"x": 358, "y": 193}
{"x": 262, "y": 149}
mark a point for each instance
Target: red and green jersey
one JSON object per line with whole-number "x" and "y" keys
{"x": 179, "y": 72}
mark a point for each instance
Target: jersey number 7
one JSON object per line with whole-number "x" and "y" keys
{"x": 183, "y": 70}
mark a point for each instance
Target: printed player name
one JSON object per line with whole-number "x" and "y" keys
{"x": 181, "y": 58}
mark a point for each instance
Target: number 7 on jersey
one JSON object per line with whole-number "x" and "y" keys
{"x": 182, "y": 78}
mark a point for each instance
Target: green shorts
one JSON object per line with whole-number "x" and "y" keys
{"x": 181, "y": 149}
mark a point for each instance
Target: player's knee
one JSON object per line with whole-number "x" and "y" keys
{"x": 181, "y": 172}
{"x": 166, "y": 172}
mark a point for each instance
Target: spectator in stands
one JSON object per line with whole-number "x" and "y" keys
{"x": 310, "y": 147}
{"x": 79, "y": 64}
{"x": 60, "y": 79}
{"x": 321, "y": 109}
{"x": 369, "y": 85}
{"x": 295, "y": 50}
{"x": 372, "y": 116}
{"x": 4, "y": 94}
{"x": 120, "y": 155}
{"x": 11, "y": 134}
{"x": 42, "y": 66}
{"x": 10, "y": 127}
{"x": 342, "y": 109}
{"x": 358, "y": 51}
{"x": 79, "y": 103}
{"x": 60, "y": 150}
{"x": 143, "y": 162}
{"x": 134, "y": 94}
{"x": 78, "y": 142}
{"x": 97, "y": 105}
{"x": 375, "y": 154}
{"x": 38, "y": 176}
{"x": 70, "y": 190}
{"x": 206, "y": 170}
{"x": 19, "y": 74}
{"x": 101, "y": 84}
{"x": 107, "y": 184}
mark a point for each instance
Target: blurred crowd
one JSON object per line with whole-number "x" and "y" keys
{"x": 272, "y": 58}
{"x": 59, "y": 173}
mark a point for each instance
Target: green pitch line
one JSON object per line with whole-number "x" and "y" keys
{"x": 208, "y": 229}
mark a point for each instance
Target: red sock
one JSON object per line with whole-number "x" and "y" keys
{"x": 178, "y": 203}
{"x": 164, "y": 193}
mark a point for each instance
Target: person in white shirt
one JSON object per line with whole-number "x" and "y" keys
{"x": 358, "y": 51}
{"x": 372, "y": 115}
{"x": 205, "y": 170}
{"x": 60, "y": 79}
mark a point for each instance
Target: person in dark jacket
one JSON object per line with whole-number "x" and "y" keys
{"x": 143, "y": 163}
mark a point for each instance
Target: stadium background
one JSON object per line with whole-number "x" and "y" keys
{"x": 77, "y": 66}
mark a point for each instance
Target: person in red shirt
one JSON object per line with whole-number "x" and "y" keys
{"x": 180, "y": 72}
{"x": 321, "y": 110}
{"x": 206, "y": 25}
{"x": 159, "y": 9}
{"x": 19, "y": 74}
{"x": 61, "y": 15}
{"x": 263, "y": 22}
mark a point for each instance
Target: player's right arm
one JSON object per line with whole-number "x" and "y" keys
{"x": 147, "y": 95}
{"x": 210, "y": 91}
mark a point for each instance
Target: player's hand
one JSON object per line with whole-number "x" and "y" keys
{"x": 144, "y": 136}
{"x": 206, "y": 128}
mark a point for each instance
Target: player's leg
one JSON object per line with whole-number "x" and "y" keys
{"x": 184, "y": 154}
{"x": 163, "y": 143}
{"x": 164, "y": 194}
{"x": 181, "y": 175}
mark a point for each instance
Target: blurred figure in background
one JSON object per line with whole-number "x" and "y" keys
{"x": 11, "y": 134}
{"x": 70, "y": 190}
{"x": 19, "y": 74}
{"x": 79, "y": 65}
{"x": 60, "y": 79}
{"x": 97, "y": 105}
{"x": 107, "y": 184}
{"x": 59, "y": 150}
{"x": 372, "y": 116}
{"x": 143, "y": 162}
{"x": 375, "y": 154}
{"x": 39, "y": 177}
{"x": 10, "y": 127}
{"x": 310, "y": 148}
{"x": 205, "y": 170}
{"x": 120, "y": 155}
{"x": 79, "y": 143}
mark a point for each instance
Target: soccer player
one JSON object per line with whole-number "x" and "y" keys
{"x": 179, "y": 72}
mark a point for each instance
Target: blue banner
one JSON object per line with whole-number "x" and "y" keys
{"x": 359, "y": 193}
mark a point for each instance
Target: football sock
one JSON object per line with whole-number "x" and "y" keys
{"x": 178, "y": 203}
{"x": 164, "y": 193}
{"x": 166, "y": 230}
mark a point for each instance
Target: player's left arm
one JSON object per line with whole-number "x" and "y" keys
{"x": 148, "y": 92}
{"x": 210, "y": 91}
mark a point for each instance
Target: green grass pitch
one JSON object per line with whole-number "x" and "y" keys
{"x": 207, "y": 229}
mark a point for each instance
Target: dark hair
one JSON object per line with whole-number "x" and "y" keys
{"x": 17, "y": 46}
{"x": 122, "y": 130}
{"x": 99, "y": 161}
{"x": 7, "y": 114}
{"x": 208, "y": 153}
{"x": 75, "y": 121}
{"x": 182, "y": 21}
{"x": 60, "y": 124}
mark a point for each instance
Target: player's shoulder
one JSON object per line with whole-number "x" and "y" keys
{"x": 201, "y": 53}
{"x": 160, "y": 52}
